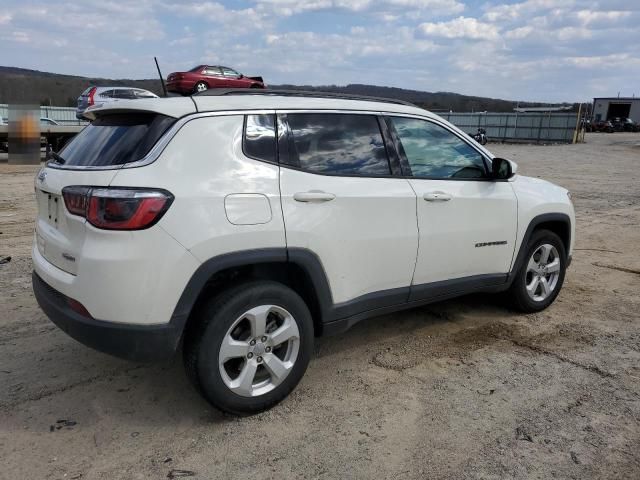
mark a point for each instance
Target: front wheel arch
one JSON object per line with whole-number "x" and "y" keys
{"x": 524, "y": 288}
{"x": 558, "y": 223}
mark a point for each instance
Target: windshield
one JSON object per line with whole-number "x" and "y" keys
{"x": 195, "y": 69}
{"x": 116, "y": 139}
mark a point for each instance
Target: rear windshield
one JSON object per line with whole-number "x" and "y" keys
{"x": 116, "y": 139}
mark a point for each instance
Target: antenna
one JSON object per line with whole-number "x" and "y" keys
{"x": 164, "y": 87}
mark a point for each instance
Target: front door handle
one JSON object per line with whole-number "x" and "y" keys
{"x": 437, "y": 197}
{"x": 313, "y": 197}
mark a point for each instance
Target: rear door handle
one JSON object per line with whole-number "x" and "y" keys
{"x": 437, "y": 197}
{"x": 313, "y": 197}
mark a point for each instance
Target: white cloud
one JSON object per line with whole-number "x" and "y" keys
{"x": 590, "y": 17}
{"x": 292, "y": 7}
{"x": 514, "y": 11}
{"x": 234, "y": 22}
{"x": 604, "y": 61}
{"x": 532, "y": 49}
{"x": 520, "y": 33}
{"x": 94, "y": 17}
{"x": 461, "y": 27}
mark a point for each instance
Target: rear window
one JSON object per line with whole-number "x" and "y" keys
{"x": 116, "y": 139}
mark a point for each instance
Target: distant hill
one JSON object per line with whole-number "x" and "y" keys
{"x": 20, "y": 85}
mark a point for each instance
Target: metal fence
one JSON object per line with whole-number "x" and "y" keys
{"x": 500, "y": 127}
{"x": 518, "y": 127}
{"x": 62, "y": 115}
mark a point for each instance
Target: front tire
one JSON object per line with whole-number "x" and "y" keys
{"x": 250, "y": 347}
{"x": 541, "y": 275}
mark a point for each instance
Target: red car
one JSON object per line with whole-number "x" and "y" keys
{"x": 203, "y": 77}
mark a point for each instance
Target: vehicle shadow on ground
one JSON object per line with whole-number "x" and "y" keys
{"x": 140, "y": 396}
{"x": 442, "y": 317}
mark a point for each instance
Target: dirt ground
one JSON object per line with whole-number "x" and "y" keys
{"x": 461, "y": 389}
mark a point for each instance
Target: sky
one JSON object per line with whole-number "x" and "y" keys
{"x": 536, "y": 50}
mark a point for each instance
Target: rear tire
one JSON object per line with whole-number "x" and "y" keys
{"x": 200, "y": 87}
{"x": 249, "y": 347}
{"x": 541, "y": 275}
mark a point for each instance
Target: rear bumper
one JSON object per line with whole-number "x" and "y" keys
{"x": 141, "y": 343}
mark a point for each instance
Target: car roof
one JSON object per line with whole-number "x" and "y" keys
{"x": 123, "y": 88}
{"x": 181, "y": 106}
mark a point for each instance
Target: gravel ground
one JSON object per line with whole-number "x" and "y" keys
{"x": 460, "y": 389}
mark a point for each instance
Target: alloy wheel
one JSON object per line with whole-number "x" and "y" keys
{"x": 259, "y": 350}
{"x": 543, "y": 271}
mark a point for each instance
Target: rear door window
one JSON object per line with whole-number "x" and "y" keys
{"x": 337, "y": 144}
{"x": 125, "y": 94}
{"x": 116, "y": 139}
{"x": 212, "y": 71}
{"x": 143, "y": 94}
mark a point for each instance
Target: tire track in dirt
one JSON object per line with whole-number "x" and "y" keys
{"x": 411, "y": 350}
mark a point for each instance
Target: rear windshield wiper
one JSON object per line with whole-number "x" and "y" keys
{"x": 57, "y": 158}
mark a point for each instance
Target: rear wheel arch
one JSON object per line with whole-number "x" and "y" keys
{"x": 299, "y": 270}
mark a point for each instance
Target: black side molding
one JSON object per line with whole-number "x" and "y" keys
{"x": 216, "y": 264}
{"x": 338, "y": 317}
{"x": 419, "y": 295}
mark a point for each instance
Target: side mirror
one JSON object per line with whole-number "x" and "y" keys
{"x": 503, "y": 169}
{"x": 241, "y": 76}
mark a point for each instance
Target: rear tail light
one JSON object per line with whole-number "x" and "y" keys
{"x": 75, "y": 198}
{"x": 117, "y": 208}
{"x": 92, "y": 92}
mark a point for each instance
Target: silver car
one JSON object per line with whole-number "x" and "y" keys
{"x": 93, "y": 95}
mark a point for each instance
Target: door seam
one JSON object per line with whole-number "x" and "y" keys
{"x": 415, "y": 263}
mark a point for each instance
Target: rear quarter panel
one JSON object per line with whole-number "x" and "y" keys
{"x": 201, "y": 166}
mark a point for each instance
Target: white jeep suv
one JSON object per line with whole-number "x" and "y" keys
{"x": 243, "y": 224}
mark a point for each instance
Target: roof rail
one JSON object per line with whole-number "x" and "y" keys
{"x": 214, "y": 92}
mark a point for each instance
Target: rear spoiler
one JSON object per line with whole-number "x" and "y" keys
{"x": 259, "y": 79}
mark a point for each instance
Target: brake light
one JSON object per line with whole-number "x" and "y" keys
{"x": 92, "y": 92}
{"x": 117, "y": 208}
